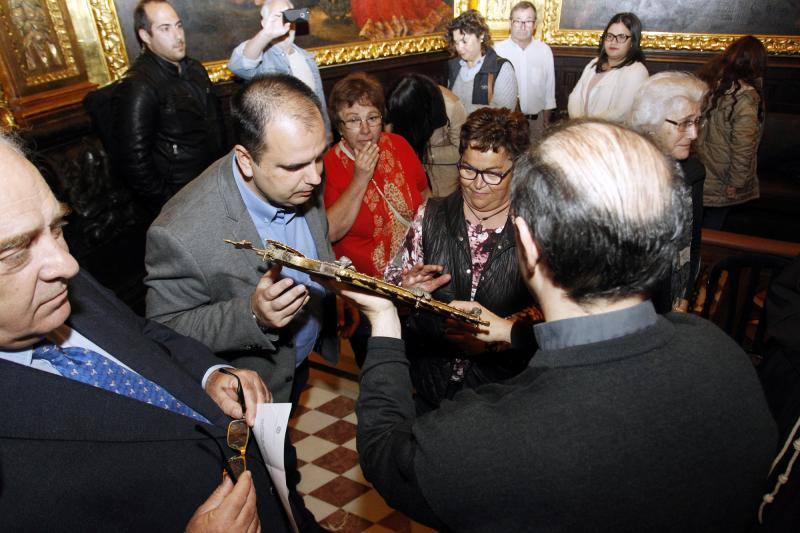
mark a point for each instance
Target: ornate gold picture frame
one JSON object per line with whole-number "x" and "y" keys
{"x": 576, "y": 23}
{"x": 111, "y": 39}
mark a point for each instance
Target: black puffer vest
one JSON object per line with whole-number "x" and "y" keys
{"x": 501, "y": 290}
{"x": 490, "y": 68}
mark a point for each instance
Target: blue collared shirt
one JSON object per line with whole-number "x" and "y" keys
{"x": 291, "y": 228}
{"x": 66, "y": 337}
{"x": 577, "y": 331}
{"x": 468, "y": 73}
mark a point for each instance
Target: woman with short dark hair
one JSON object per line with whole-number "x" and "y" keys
{"x": 478, "y": 76}
{"x": 374, "y": 181}
{"x": 462, "y": 248}
{"x": 610, "y": 81}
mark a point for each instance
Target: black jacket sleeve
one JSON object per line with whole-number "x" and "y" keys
{"x": 386, "y": 443}
{"x": 136, "y": 115}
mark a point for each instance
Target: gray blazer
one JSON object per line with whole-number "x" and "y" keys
{"x": 201, "y": 287}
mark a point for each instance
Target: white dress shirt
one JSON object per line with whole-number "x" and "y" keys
{"x": 533, "y": 66}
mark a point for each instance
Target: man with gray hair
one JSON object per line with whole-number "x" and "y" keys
{"x": 624, "y": 420}
{"x": 533, "y": 66}
{"x": 273, "y": 50}
{"x": 109, "y": 420}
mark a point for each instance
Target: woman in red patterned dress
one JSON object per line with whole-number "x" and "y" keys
{"x": 374, "y": 181}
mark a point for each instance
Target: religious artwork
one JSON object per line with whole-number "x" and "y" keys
{"x": 40, "y": 47}
{"x": 338, "y": 30}
{"x": 43, "y": 67}
{"x": 40, "y": 42}
{"x": 678, "y": 25}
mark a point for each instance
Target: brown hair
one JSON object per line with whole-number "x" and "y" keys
{"x": 743, "y": 61}
{"x": 493, "y": 128}
{"x": 523, "y": 5}
{"x": 470, "y": 22}
{"x": 356, "y": 88}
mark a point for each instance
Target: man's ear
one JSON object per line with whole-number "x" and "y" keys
{"x": 244, "y": 160}
{"x": 528, "y": 250}
{"x": 144, "y": 35}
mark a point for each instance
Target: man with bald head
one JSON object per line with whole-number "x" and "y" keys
{"x": 273, "y": 50}
{"x": 106, "y": 424}
{"x": 624, "y": 420}
{"x": 267, "y": 187}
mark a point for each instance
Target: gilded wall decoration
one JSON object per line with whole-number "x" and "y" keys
{"x": 678, "y": 25}
{"x": 110, "y": 36}
{"x": 339, "y": 30}
{"x": 39, "y": 40}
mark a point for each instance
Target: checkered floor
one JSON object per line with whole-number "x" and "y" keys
{"x": 323, "y": 430}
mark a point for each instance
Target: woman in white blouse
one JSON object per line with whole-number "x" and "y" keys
{"x": 610, "y": 81}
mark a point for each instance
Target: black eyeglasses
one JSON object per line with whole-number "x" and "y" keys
{"x": 616, "y": 37}
{"x": 468, "y": 172}
{"x": 684, "y": 125}
{"x": 238, "y": 433}
{"x": 354, "y": 124}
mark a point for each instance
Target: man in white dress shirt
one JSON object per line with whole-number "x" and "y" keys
{"x": 533, "y": 65}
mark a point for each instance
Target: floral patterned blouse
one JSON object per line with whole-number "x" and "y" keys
{"x": 399, "y": 180}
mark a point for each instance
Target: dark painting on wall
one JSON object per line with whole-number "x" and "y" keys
{"x": 215, "y": 27}
{"x": 762, "y": 17}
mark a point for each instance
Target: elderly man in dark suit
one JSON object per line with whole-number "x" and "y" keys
{"x": 106, "y": 426}
{"x": 267, "y": 187}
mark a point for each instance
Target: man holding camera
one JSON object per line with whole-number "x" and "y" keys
{"x": 272, "y": 51}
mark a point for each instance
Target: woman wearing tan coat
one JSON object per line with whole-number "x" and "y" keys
{"x": 728, "y": 143}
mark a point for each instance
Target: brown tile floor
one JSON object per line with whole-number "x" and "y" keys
{"x": 323, "y": 430}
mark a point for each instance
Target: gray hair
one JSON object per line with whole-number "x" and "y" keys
{"x": 659, "y": 95}
{"x": 604, "y": 206}
{"x": 9, "y": 139}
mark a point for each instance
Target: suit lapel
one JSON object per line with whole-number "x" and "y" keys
{"x": 102, "y": 322}
{"x": 318, "y": 225}
{"x": 242, "y": 225}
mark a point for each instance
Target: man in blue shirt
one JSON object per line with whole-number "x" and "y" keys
{"x": 273, "y": 50}
{"x": 267, "y": 187}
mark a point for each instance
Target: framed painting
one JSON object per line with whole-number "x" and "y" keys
{"x": 339, "y": 31}
{"x": 678, "y": 24}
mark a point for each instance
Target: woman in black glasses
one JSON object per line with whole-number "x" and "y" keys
{"x": 462, "y": 248}
{"x": 610, "y": 81}
{"x": 374, "y": 182}
{"x": 668, "y": 109}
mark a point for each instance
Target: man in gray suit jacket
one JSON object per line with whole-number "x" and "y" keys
{"x": 267, "y": 187}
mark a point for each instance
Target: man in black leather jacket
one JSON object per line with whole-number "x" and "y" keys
{"x": 168, "y": 121}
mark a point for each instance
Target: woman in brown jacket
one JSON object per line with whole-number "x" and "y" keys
{"x": 734, "y": 111}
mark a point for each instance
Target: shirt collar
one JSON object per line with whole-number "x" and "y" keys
{"x": 257, "y": 207}
{"x": 477, "y": 66}
{"x": 24, "y": 356}
{"x": 570, "y": 332}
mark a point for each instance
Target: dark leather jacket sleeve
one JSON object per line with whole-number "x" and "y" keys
{"x": 136, "y": 117}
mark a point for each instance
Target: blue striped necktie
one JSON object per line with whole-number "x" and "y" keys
{"x": 92, "y": 368}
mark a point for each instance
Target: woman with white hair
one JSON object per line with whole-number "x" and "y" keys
{"x": 668, "y": 109}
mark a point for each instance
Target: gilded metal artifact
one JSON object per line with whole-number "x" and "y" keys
{"x": 344, "y": 272}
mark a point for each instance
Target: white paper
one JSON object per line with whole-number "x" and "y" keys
{"x": 270, "y": 432}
